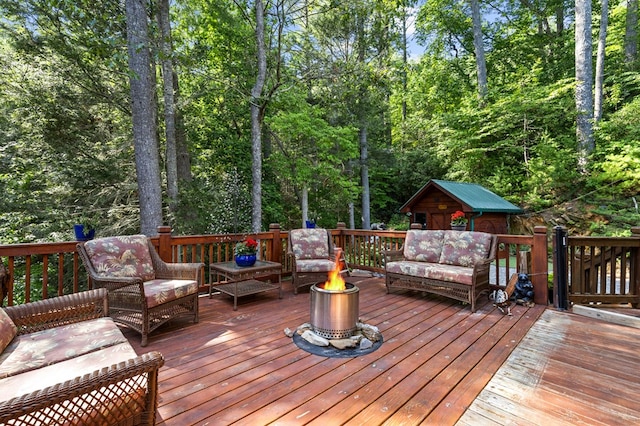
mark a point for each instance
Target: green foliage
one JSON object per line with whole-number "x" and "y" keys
{"x": 65, "y": 137}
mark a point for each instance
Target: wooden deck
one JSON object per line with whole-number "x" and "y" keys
{"x": 437, "y": 357}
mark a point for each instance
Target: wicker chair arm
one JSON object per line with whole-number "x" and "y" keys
{"x": 109, "y": 382}
{"x": 184, "y": 271}
{"x": 50, "y": 313}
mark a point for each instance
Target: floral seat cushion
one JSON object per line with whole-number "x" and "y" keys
{"x": 309, "y": 243}
{"x": 158, "y": 291}
{"x": 41, "y": 348}
{"x": 49, "y": 375}
{"x": 434, "y": 271}
{"x": 121, "y": 256}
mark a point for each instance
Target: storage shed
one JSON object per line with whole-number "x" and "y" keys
{"x": 434, "y": 203}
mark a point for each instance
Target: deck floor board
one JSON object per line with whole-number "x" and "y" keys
{"x": 439, "y": 364}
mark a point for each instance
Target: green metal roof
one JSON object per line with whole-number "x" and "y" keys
{"x": 477, "y": 197}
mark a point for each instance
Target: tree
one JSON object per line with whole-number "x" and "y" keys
{"x": 631, "y": 33}
{"x": 602, "y": 44}
{"x": 478, "y": 45}
{"x": 169, "y": 92}
{"x": 584, "y": 79}
{"x": 256, "y": 128}
{"x": 143, "y": 113}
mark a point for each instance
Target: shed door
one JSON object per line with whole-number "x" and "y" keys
{"x": 439, "y": 221}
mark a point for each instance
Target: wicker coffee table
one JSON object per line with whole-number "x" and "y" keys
{"x": 238, "y": 281}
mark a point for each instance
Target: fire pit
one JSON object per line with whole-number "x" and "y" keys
{"x": 335, "y": 329}
{"x": 334, "y": 313}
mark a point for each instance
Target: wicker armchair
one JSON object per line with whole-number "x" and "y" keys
{"x": 117, "y": 391}
{"x": 144, "y": 291}
{"x": 313, "y": 256}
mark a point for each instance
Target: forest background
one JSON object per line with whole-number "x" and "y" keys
{"x": 225, "y": 116}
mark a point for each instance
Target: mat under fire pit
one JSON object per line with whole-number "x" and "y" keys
{"x": 331, "y": 352}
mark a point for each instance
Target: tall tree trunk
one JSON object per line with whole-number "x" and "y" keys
{"x": 305, "y": 205}
{"x": 602, "y": 42}
{"x": 364, "y": 176}
{"x": 143, "y": 118}
{"x": 631, "y": 33}
{"x": 182, "y": 150}
{"x": 584, "y": 79}
{"x": 256, "y": 137}
{"x": 478, "y": 44}
{"x": 166, "y": 59}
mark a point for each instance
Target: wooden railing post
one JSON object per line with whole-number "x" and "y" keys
{"x": 341, "y": 227}
{"x": 164, "y": 243}
{"x": 276, "y": 243}
{"x": 540, "y": 265}
{"x": 635, "y": 265}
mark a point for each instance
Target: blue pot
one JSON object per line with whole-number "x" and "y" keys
{"x": 83, "y": 234}
{"x": 245, "y": 259}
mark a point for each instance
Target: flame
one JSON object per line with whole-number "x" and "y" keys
{"x": 335, "y": 281}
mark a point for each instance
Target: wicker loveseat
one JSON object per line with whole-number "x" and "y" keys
{"x": 64, "y": 362}
{"x": 454, "y": 264}
{"x": 144, "y": 291}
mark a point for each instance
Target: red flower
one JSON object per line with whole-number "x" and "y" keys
{"x": 458, "y": 218}
{"x": 248, "y": 246}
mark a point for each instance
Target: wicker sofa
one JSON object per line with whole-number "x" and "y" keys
{"x": 454, "y": 264}
{"x": 64, "y": 362}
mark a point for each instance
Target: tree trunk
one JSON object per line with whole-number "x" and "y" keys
{"x": 584, "y": 78}
{"x": 364, "y": 176}
{"x": 602, "y": 42}
{"x": 256, "y": 139}
{"x": 166, "y": 59}
{"x": 143, "y": 118}
{"x": 352, "y": 215}
{"x": 305, "y": 205}
{"x": 182, "y": 150}
{"x": 631, "y": 33}
{"x": 481, "y": 65}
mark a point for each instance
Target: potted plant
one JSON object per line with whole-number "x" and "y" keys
{"x": 459, "y": 221}
{"x": 245, "y": 252}
{"x": 84, "y": 230}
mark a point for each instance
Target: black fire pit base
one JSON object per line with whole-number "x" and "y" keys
{"x": 331, "y": 352}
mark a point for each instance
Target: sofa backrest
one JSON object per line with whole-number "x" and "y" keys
{"x": 309, "y": 243}
{"x": 121, "y": 256}
{"x": 462, "y": 248}
{"x": 465, "y": 248}
{"x": 423, "y": 245}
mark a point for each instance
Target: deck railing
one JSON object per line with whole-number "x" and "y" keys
{"x": 604, "y": 269}
{"x": 39, "y": 271}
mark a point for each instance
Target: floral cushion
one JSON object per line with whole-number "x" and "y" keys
{"x": 434, "y": 271}
{"x": 309, "y": 243}
{"x": 158, "y": 292}
{"x": 34, "y": 350}
{"x": 123, "y": 256}
{"x": 465, "y": 248}
{"x": 315, "y": 265}
{"x": 424, "y": 246}
{"x": 8, "y": 330}
{"x": 49, "y": 375}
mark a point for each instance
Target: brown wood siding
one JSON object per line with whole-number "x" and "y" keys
{"x": 438, "y": 206}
